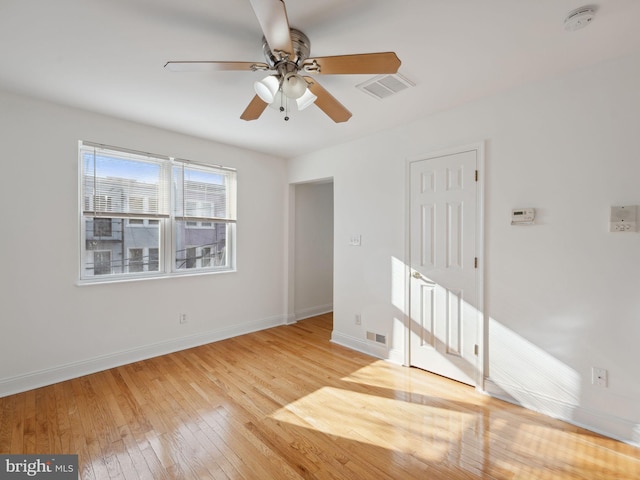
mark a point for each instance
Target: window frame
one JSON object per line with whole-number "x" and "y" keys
{"x": 167, "y": 224}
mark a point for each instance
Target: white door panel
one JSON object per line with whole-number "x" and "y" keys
{"x": 444, "y": 291}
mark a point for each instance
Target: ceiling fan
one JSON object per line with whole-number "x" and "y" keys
{"x": 286, "y": 52}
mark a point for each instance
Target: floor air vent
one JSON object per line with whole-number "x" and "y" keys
{"x": 376, "y": 337}
{"x": 384, "y": 86}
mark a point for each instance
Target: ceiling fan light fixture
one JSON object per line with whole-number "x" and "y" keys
{"x": 306, "y": 99}
{"x": 286, "y": 51}
{"x": 267, "y": 88}
{"x": 294, "y": 86}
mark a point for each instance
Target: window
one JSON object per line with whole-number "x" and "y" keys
{"x": 102, "y": 262}
{"x": 101, "y": 203}
{"x": 136, "y": 204}
{"x": 153, "y": 260}
{"x": 147, "y": 215}
{"x": 102, "y": 227}
{"x": 203, "y": 209}
{"x": 189, "y": 261}
{"x": 206, "y": 256}
{"x": 136, "y": 263}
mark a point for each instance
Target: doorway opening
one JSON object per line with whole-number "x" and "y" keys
{"x": 311, "y": 249}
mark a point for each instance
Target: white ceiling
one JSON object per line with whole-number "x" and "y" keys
{"x": 108, "y": 56}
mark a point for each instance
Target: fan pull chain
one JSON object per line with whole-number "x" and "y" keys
{"x": 284, "y": 106}
{"x": 282, "y": 100}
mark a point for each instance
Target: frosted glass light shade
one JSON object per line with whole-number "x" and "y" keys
{"x": 306, "y": 99}
{"x": 293, "y": 86}
{"x": 267, "y": 88}
{"x": 282, "y": 103}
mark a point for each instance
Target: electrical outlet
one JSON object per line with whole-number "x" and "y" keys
{"x": 183, "y": 318}
{"x": 355, "y": 240}
{"x": 599, "y": 376}
{"x": 358, "y": 319}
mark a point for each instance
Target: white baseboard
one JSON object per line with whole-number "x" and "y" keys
{"x": 396, "y": 356}
{"x": 362, "y": 346}
{"x": 29, "y": 381}
{"x": 607, "y": 425}
{"x": 313, "y": 311}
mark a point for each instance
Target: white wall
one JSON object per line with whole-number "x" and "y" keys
{"x": 561, "y": 296}
{"x": 313, "y": 255}
{"x": 54, "y": 329}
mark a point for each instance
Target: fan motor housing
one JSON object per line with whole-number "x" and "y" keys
{"x": 301, "y": 50}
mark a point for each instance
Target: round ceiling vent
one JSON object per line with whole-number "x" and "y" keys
{"x": 579, "y": 18}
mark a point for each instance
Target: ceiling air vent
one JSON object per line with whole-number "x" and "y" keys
{"x": 384, "y": 86}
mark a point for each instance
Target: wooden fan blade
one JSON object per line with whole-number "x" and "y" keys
{"x": 206, "y": 66}
{"x": 327, "y": 102}
{"x": 272, "y": 17}
{"x": 371, "y": 63}
{"x": 254, "y": 109}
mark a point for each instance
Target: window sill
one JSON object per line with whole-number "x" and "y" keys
{"x": 162, "y": 276}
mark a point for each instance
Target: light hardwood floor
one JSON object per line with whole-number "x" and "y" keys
{"x": 285, "y": 403}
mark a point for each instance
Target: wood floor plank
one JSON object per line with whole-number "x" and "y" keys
{"x": 287, "y": 403}
{"x": 8, "y": 417}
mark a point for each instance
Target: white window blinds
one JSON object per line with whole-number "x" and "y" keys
{"x": 203, "y": 193}
{"x": 145, "y": 215}
{"x": 123, "y": 184}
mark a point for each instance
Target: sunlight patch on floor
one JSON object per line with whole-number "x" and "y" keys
{"x": 385, "y": 422}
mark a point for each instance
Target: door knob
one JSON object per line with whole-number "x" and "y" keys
{"x": 419, "y": 276}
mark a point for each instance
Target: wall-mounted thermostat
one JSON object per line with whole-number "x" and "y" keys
{"x": 623, "y": 219}
{"x": 523, "y": 216}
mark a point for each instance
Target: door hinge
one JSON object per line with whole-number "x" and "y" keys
{"x": 475, "y": 349}
{"x": 476, "y": 175}
{"x": 475, "y": 262}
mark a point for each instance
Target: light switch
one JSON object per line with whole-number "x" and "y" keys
{"x": 355, "y": 240}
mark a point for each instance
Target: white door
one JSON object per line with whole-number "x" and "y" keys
{"x": 445, "y": 301}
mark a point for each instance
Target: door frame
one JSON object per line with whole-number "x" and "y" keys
{"x": 479, "y": 148}
{"x": 292, "y": 316}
